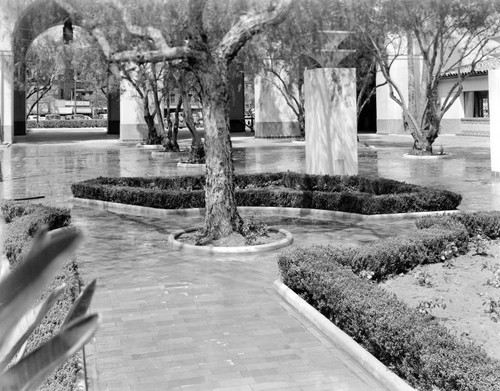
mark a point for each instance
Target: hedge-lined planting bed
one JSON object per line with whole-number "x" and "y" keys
{"x": 23, "y": 220}
{"x": 415, "y": 346}
{"x": 68, "y": 123}
{"x": 286, "y": 189}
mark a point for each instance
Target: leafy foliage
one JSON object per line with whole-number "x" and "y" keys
{"x": 446, "y": 36}
{"x": 24, "y": 221}
{"x": 74, "y": 123}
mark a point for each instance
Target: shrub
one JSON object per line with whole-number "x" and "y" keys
{"x": 62, "y": 123}
{"x": 415, "y": 346}
{"x": 349, "y": 194}
{"x": 395, "y": 255}
{"x": 485, "y": 222}
{"x": 51, "y": 216}
{"x": 24, "y": 219}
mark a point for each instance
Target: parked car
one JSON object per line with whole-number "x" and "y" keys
{"x": 31, "y": 117}
{"x": 77, "y": 116}
{"x": 52, "y": 116}
{"x": 81, "y": 116}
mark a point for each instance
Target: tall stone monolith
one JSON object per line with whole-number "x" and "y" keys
{"x": 494, "y": 102}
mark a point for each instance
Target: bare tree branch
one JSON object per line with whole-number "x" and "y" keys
{"x": 248, "y": 26}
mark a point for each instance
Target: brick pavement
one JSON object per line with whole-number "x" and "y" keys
{"x": 174, "y": 321}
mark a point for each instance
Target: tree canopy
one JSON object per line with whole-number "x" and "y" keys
{"x": 445, "y": 34}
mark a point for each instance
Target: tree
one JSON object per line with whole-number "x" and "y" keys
{"x": 448, "y": 35}
{"x": 211, "y": 35}
{"x": 197, "y": 148}
{"x": 47, "y": 59}
{"x": 44, "y": 66}
{"x": 147, "y": 79}
{"x": 294, "y": 44}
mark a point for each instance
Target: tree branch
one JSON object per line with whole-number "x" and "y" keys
{"x": 248, "y": 26}
{"x": 167, "y": 54}
{"x": 140, "y": 31}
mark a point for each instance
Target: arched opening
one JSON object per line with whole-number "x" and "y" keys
{"x": 39, "y": 17}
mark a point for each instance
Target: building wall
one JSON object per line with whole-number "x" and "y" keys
{"x": 389, "y": 113}
{"x": 273, "y": 117}
{"x": 132, "y": 125}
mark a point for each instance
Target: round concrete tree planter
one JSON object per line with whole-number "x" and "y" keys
{"x": 169, "y": 155}
{"x": 191, "y": 165}
{"x": 177, "y": 244}
{"x": 426, "y": 157}
{"x": 148, "y": 146}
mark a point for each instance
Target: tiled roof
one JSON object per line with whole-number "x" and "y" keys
{"x": 481, "y": 67}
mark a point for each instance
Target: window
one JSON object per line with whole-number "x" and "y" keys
{"x": 481, "y": 106}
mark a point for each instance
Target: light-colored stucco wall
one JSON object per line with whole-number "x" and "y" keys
{"x": 273, "y": 116}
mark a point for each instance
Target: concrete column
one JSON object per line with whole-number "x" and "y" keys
{"x": 114, "y": 112}
{"x": 132, "y": 125}
{"x": 273, "y": 116}
{"x": 236, "y": 99}
{"x": 494, "y": 103}
{"x": 6, "y": 94}
{"x": 331, "y": 125}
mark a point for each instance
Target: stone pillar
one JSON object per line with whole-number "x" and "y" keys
{"x": 331, "y": 125}
{"x": 273, "y": 117}
{"x": 236, "y": 99}
{"x": 494, "y": 103}
{"x": 6, "y": 93}
{"x": 132, "y": 125}
{"x": 114, "y": 112}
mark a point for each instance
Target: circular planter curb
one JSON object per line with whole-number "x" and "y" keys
{"x": 169, "y": 155}
{"x": 426, "y": 157}
{"x": 366, "y": 360}
{"x": 175, "y": 244}
{"x": 191, "y": 165}
{"x": 148, "y": 146}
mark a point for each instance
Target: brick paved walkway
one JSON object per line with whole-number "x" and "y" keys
{"x": 174, "y": 321}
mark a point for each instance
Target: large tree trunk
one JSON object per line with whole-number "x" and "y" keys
{"x": 150, "y": 122}
{"x": 170, "y": 142}
{"x": 221, "y": 216}
{"x": 197, "y": 149}
{"x": 153, "y": 137}
{"x": 431, "y": 119}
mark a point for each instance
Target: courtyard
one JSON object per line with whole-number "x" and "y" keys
{"x": 171, "y": 320}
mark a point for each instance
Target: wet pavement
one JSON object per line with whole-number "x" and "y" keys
{"x": 177, "y": 321}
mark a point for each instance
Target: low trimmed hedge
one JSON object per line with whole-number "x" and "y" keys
{"x": 23, "y": 220}
{"x": 484, "y": 222}
{"x": 396, "y": 255}
{"x": 415, "y": 346}
{"x": 349, "y": 194}
{"x": 67, "y": 123}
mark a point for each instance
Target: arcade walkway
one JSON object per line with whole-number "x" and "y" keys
{"x": 173, "y": 321}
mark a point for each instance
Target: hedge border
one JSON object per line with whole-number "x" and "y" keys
{"x": 415, "y": 346}
{"x": 63, "y": 123}
{"x": 352, "y": 194}
{"x": 23, "y": 219}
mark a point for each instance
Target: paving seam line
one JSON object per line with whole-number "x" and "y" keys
{"x": 366, "y": 360}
